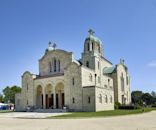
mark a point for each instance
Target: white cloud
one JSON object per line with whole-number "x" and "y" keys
{"x": 152, "y": 64}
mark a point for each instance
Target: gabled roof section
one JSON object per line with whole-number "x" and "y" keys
{"x": 109, "y": 70}
{"x": 106, "y": 60}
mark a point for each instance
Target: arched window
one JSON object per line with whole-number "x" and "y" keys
{"x": 98, "y": 79}
{"x": 90, "y": 77}
{"x": 73, "y": 100}
{"x": 88, "y": 46}
{"x": 87, "y": 64}
{"x": 127, "y": 79}
{"x": 92, "y": 46}
{"x": 111, "y": 99}
{"x": 50, "y": 67}
{"x": 108, "y": 82}
{"x": 59, "y": 66}
{"x": 106, "y": 99}
{"x": 89, "y": 100}
{"x": 73, "y": 81}
{"x": 99, "y": 49}
{"x": 122, "y": 83}
{"x": 98, "y": 65}
{"x": 100, "y": 98}
{"x": 54, "y": 65}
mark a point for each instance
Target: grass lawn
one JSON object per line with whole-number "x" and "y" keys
{"x": 102, "y": 113}
{"x": 5, "y": 111}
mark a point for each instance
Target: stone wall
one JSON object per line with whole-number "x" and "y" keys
{"x": 122, "y": 70}
{"x": 73, "y": 85}
{"x": 64, "y": 57}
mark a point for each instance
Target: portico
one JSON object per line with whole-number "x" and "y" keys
{"x": 50, "y": 96}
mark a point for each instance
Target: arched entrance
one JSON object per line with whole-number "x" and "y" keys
{"x": 49, "y": 96}
{"x": 59, "y": 95}
{"x": 39, "y": 97}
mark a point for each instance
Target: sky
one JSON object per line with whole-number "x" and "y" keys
{"x": 127, "y": 29}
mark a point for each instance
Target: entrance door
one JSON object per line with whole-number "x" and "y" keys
{"x": 57, "y": 101}
{"x": 62, "y": 100}
{"x": 47, "y": 105}
{"x": 42, "y": 101}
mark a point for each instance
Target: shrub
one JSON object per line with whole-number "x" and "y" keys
{"x": 117, "y": 105}
{"x": 129, "y": 107}
{"x": 154, "y": 105}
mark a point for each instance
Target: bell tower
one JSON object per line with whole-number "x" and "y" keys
{"x": 93, "y": 49}
{"x": 93, "y": 44}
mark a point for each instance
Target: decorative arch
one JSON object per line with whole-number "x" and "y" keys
{"x": 100, "y": 98}
{"x": 39, "y": 96}
{"x": 106, "y": 99}
{"x": 60, "y": 98}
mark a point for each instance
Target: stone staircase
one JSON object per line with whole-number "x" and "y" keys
{"x": 51, "y": 110}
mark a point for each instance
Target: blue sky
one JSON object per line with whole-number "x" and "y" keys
{"x": 126, "y": 27}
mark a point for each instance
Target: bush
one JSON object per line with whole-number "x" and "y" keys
{"x": 117, "y": 105}
{"x": 154, "y": 105}
{"x": 129, "y": 107}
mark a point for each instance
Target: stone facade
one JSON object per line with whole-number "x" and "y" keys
{"x": 88, "y": 84}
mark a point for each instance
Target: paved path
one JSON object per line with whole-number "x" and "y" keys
{"x": 145, "y": 121}
{"x": 29, "y": 115}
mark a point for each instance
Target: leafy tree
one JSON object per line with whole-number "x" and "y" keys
{"x": 137, "y": 97}
{"x": 153, "y": 94}
{"x": 9, "y": 93}
{"x": 1, "y": 98}
{"x": 148, "y": 99}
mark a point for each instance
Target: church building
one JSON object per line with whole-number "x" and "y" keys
{"x": 91, "y": 83}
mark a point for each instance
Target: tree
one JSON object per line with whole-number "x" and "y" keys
{"x": 9, "y": 93}
{"x": 153, "y": 94}
{"x": 148, "y": 99}
{"x": 1, "y": 98}
{"x": 137, "y": 97}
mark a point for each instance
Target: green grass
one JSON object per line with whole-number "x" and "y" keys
{"x": 102, "y": 113}
{"x": 5, "y": 111}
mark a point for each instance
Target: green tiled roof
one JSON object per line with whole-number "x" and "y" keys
{"x": 108, "y": 70}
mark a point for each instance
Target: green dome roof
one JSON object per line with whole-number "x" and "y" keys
{"x": 93, "y": 38}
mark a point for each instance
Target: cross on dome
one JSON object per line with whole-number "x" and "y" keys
{"x": 54, "y": 46}
{"x": 91, "y": 32}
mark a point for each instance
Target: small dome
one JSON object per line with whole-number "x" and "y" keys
{"x": 93, "y": 38}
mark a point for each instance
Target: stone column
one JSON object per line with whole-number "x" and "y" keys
{"x": 60, "y": 99}
{"x": 54, "y": 98}
{"x": 44, "y": 99}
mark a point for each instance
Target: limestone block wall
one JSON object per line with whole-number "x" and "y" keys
{"x": 18, "y": 102}
{"x": 88, "y": 76}
{"x": 73, "y": 83}
{"x": 127, "y": 94}
{"x": 27, "y": 89}
{"x": 115, "y": 84}
{"x": 25, "y": 98}
{"x": 88, "y": 57}
{"x": 64, "y": 57}
{"x": 104, "y": 99}
{"x": 89, "y": 99}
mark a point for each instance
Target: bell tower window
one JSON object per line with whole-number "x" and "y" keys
{"x": 92, "y": 46}
{"x": 88, "y": 46}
